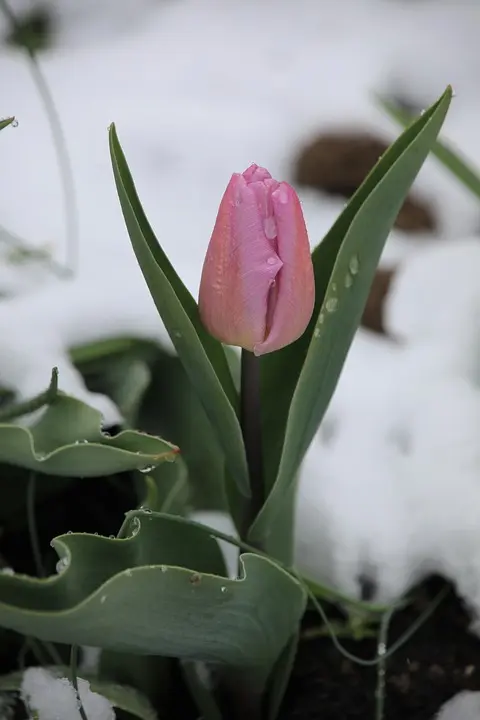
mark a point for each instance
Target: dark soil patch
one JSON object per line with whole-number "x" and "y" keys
{"x": 373, "y": 315}
{"x": 439, "y": 661}
{"x": 337, "y": 164}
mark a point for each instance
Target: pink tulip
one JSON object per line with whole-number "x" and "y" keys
{"x": 257, "y": 289}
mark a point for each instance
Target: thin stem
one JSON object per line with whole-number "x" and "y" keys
{"x": 52, "y": 651}
{"x": 250, "y": 421}
{"x": 74, "y": 679}
{"x": 61, "y": 150}
{"x": 37, "y": 558}
{"x": 32, "y": 525}
{"x": 382, "y": 666}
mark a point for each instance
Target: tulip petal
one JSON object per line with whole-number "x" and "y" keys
{"x": 295, "y": 293}
{"x": 240, "y": 266}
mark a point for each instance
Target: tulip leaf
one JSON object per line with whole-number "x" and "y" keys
{"x": 120, "y": 696}
{"x": 6, "y": 122}
{"x": 159, "y": 589}
{"x": 344, "y": 264}
{"x": 68, "y": 440}
{"x": 202, "y": 356}
{"x": 281, "y": 675}
{"x": 459, "y": 166}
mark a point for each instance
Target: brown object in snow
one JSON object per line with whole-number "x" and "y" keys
{"x": 337, "y": 163}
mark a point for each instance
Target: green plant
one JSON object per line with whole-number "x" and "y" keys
{"x": 160, "y": 586}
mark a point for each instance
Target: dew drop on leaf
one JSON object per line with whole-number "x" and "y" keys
{"x": 147, "y": 469}
{"x": 331, "y": 304}
{"x": 354, "y": 265}
{"x": 62, "y": 565}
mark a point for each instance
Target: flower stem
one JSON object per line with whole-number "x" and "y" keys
{"x": 74, "y": 679}
{"x": 250, "y": 420}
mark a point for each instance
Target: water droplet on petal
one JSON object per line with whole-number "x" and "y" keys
{"x": 348, "y": 280}
{"x": 103, "y": 598}
{"x": 316, "y": 332}
{"x": 163, "y": 568}
{"x": 223, "y": 589}
{"x": 270, "y": 229}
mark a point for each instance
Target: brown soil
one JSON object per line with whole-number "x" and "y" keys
{"x": 373, "y": 315}
{"x": 337, "y": 164}
{"x": 440, "y": 660}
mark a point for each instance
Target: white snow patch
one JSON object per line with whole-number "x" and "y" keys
{"x": 463, "y": 706}
{"x": 54, "y": 698}
{"x": 223, "y": 523}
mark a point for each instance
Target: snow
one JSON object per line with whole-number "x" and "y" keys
{"x": 54, "y": 698}
{"x": 221, "y": 522}
{"x": 389, "y": 489}
{"x": 464, "y": 706}
{"x": 201, "y": 90}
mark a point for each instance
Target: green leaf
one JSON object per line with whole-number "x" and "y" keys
{"x": 120, "y": 696}
{"x": 153, "y": 676}
{"x": 68, "y": 440}
{"x": 344, "y": 266}
{"x": 167, "y": 489}
{"x": 281, "y": 675}
{"x": 135, "y": 594}
{"x": 125, "y": 380}
{"x": 26, "y": 407}
{"x": 104, "y": 350}
{"x": 180, "y": 416}
{"x": 6, "y": 122}
{"x": 202, "y": 356}
{"x": 453, "y": 160}
{"x": 199, "y": 691}
{"x": 124, "y": 698}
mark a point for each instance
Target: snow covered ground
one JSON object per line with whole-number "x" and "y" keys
{"x": 199, "y": 90}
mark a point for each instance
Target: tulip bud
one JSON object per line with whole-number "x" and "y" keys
{"x": 257, "y": 289}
